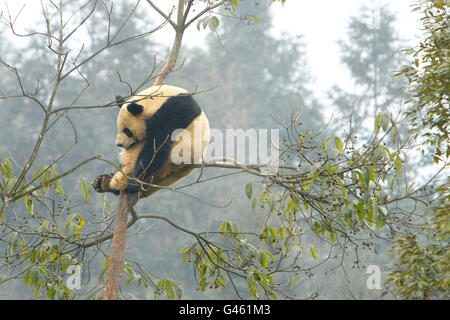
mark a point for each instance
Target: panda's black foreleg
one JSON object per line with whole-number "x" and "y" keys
{"x": 153, "y": 156}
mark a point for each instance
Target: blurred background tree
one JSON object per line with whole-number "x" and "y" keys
{"x": 371, "y": 53}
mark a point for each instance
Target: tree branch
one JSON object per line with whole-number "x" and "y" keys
{"x": 167, "y": 17}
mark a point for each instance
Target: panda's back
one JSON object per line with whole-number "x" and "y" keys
{"x": 168, "y": 109}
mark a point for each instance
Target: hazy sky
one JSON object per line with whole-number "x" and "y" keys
{"x": 321, "y": 23}
{"x": 324, "y": 22}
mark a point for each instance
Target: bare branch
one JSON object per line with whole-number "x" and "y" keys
{"x": 165, "y": 16}
{"x": 82, "y": 21}
{"x": 111, "y": 43}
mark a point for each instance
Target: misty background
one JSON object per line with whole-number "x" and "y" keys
{"x": 320, "y": 59}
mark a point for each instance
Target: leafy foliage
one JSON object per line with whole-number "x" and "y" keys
{"x": 421, "y": 269}
{"x": 429, "y": 78}
{"x": 422, "y": 272}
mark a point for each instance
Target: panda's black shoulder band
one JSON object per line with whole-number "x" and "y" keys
{"x": 177, "y": 112}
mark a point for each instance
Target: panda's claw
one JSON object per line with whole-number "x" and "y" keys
{"x": 96, "y": 184}
{"x": 101, "y": 183}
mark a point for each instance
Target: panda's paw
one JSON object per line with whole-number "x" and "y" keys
{"x": 101, "y": 183}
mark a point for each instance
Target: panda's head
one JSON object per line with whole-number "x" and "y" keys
{"x": 131, "y": 125}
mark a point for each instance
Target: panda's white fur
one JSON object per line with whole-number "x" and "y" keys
{"x": 149, "y": 117}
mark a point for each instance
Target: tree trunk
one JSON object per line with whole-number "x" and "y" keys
{"x": 118, "y": 246}
{"x": 127, "y": 201}
{"x": 172, "y": 60}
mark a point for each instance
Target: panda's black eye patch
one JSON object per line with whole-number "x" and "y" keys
{"x": 127, "y": 132}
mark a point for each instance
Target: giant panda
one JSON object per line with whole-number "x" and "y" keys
{"x": 151, "y": 144}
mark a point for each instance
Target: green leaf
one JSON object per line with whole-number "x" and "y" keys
{"x": 262, "y": 259}
{"x": 305, "y": 205}
{"x": 214, "y": 23}
{"x": 293, "y": 282}
{"x": 46, "y": 176}
{"x": 272, "y": 258}
{"x": 87, "y": 192}
{"x": 28, "y": 204}
{"x": 168, "y": 286}
{"x": 366, "y": 176}
{"x": 234, "y": 4}
{"x": 108, "y": 207}
{"x": 339, "y": 144}
{"x": 326, "y": 143}
{"x": 370, "y": 213}
{"x": 228, "y": 226}
{"x": 282, "y": 233}
{"x": 263, "y": 195}
{"x": 60, "y": 190}
{"x": 332, "y": 237}
{"x": 314, "y": 253}
{"x": 343, "y": 188}
{"x": 383, "y": 210}
{"x": 8, "y": 168}
{"x": 127, "y": 283}
{"x": 273, "y": 233}
{"x": 51, "y": 293}
{"x": 398, "y": 166}
{"x": 234, "y": 228}
{"x": 384, "y": 120}
{"x": 80, "y": 223}
{"x": 250, "y": 278}
{"x": 178, "y": 290}
{"x": 36, "y": 292}
{"x": 249, "y": 190}
{"x": 361, "y": 213}
{"x": 254, "y": 18}
{"x": 264, "y": 235}
{"x": 44, "y": 225}
{"x": 254, "y": 204}
{"x": 105, "y": 263}
{"x": 11, "y": 238}
{"x": 54, "y": 170}
{"x": 377, "y": 123}
{"x": 315, "y": 175}
{"x": 391, "y": 183}
{"x": 293, "y": 204}
{"x": 284, "y": 250}
{"x": 356, "y": 175}
{"x": 380, "y": 221}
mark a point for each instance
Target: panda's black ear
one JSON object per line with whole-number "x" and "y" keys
{"x": 120, "y": 101}
{"x": 135, "y": 108}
